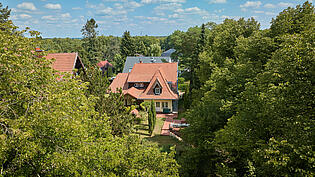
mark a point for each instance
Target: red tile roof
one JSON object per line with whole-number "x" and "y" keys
{"x": 143, "y": 72}
{"x": 134, "y": 92}
{"x": 105, "y": 63}
{"x": 64, "y": 62}
{"x": 156, "y": 72}
{"x": 119, "y": 82}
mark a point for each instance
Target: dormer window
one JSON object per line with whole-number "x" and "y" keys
{"x": 139, "y": 85}
{"x": 157, "y": 91}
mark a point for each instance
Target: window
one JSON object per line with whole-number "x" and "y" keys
{"x": 157, "y": 91}
{"x": 157, "y": 104}
{"x": 165, "y": 104}
{"x": 139, "y": 85}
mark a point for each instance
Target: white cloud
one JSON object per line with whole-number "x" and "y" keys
{"x": 269, "y": 6}
{"x": 27, "y": 6}
{"x": 179, "y": 10}
{"x": 217, "y": 1}
{"x": 133, "y": 4}
{"x": 118, "y": 6}
{"x": 21, "y": 16}
{"x": 218, "y": 11}
{"x": 251, "y": 4}
{"x": 280, "y": 4}
{"x": 193, "y": 9}
{"x": 285, "y": 4}
{"x": 259, "y": 12}
{"x": 270, "y": 13}
{"x": 65, "y": 15}
{"x": 175, "y": 16}
{"x": 108, "y": 11}
{"x": 168, "y": 6}
{"x": 162, "y": 1}
{"x": 49, "y": 17}
{"x": 225, "y": 16}
{"x": 52, "y": 6}
{"x": 76, "y": 8}
{"x": 25, "y": 16}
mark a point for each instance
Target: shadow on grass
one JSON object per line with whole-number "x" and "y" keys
{"x": 165, "y": 142}
{"x": 140, "y": 133}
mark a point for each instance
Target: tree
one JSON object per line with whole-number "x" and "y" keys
{"x": 50, "y": 127}
{"x": 89, "y": 29}
{"x": 90, "y": 42}
{"x": 154, "y": 50}
{"x": 4, "y": 14}
{"x": 127, "y": 47}
{"x": 293, "y": 20}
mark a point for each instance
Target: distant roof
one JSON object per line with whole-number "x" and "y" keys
{"x": 64, "y": 62}
{"x": 168, "y": 53}
{"x": 105, "y": 63}
{"x": 130, "y": 61}
{"x": 143, "y": 72}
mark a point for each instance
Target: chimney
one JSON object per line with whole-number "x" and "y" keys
{"x": 39, "y": 51}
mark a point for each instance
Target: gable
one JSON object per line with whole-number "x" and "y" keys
{"x": 158, "y": 79}
{"x": 65, "y": 62}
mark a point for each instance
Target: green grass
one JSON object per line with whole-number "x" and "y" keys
{"x": 164, "y": 142}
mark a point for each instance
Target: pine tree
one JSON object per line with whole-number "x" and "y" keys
{"x": 4, "y": 14}
{"x": 90, "y": 42}
{"x": 127, "y": 47}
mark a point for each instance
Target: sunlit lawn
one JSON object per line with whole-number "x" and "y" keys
{"x": 164, "y": 142}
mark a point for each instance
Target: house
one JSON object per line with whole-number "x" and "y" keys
{"x": 130, "y": 61}
{"x": 149, "y": 81}
{"x": 65, "y": 62}
{"x": 104, "y": 65}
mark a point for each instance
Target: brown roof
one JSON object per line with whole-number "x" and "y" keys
{"x": 119, "y": 82}
{"x": 143, "y": 72}
{"x": 134, "y": 92}
{"x": 105, "y": 63}
{"x": 167, "y": 93}
{"x": 64, "y": 62}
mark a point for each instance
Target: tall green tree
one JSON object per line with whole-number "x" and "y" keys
{"x": 127, "y": 47}
{"x": 90, "y": 43}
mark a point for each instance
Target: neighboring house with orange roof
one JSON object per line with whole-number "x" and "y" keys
{"x": 150, "y": 81}
{"x": 104, "y": 65}
{"x": 65, "y": 62}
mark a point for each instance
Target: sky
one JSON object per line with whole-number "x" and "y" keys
{"x": 65, "y": 18}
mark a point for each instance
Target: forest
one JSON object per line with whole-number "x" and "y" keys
{"x": 249, "y": 101}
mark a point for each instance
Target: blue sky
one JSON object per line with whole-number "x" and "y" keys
{"x": 65, "y": 18}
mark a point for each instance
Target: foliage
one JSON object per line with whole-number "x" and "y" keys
{"x": 51, "y": 127}
{"x": 92, "y": 52}
{"x": 88, "y": 30}
{"x": 154, "y": 50}
{"x": 250, "y": 119}
{"x": 151, "y": 116}
{"x": 4, "y": 14}
{"x": 127, "y": 47}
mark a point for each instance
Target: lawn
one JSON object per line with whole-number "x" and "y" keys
{"x": 164, "y": 142}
